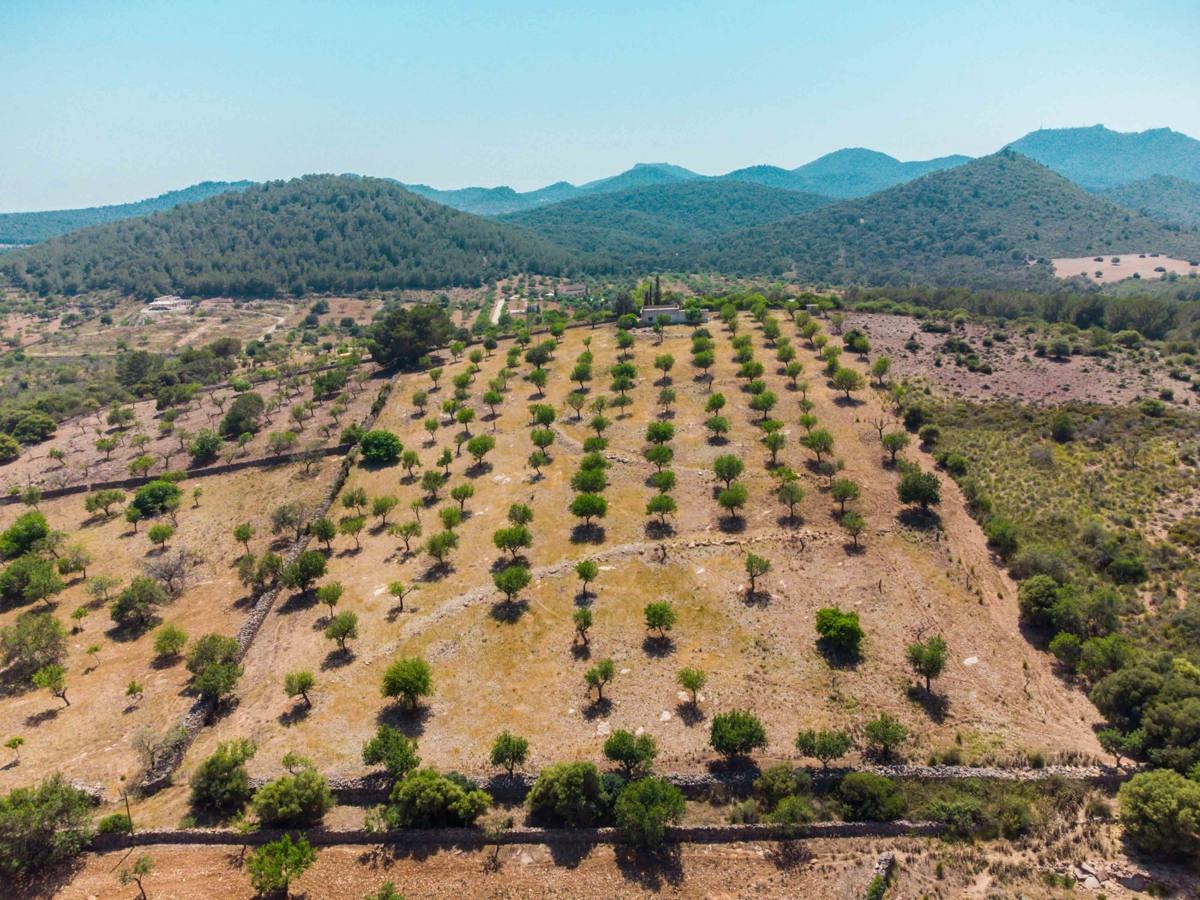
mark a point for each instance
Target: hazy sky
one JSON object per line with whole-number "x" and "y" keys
{"x": 117, "y": 100}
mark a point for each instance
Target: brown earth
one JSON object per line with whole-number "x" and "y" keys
{"x": 1144, "y": 265}
{"x": 492, "y": 673}
{"x": 1018, "y": 374}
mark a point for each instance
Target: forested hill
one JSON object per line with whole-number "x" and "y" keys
{"x": 1100, "y": 158}
{"x": 31, "y": 227}
{"x": 973, "y": 225}
{"x": 1161, "y": 197}
{"x": 852, "y": 172}
{"x": 651, "y": 223}
{"x": 317, "y": 233}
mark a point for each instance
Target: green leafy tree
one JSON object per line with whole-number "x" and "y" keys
{"x": 843, "y": 491}
{"x": 299, "y": 684}
{"x": 393, "y": 750}
{"x": 588, "y": 507}
{"x": 509, "y": 751}
{"x": 884, "y": 734}
{"x": 824, "y": 745}
{"x": 511, "y": 580}
{"x": 756, "y": 568}
{"x": 733, "y": 498}
{"x": 274, "y": 866}
{"x": 427, "y": 799}
{"x": 582, "y": 618}
{"x": 635, "y": 754}
{"x": 644, "y": 809}
{"x": 692, "y": 680}
{"x": 840, "y": 632}
{"x": 221, "y": 783}
{"x": 928, "y": 659}
{"x": 295, "y": 800}
{"x": 737, "y": 733}
{"x": 1160, "y": 811}
{"x": 919, "y": 487}
{"x": 587, "y": 570}
{"x": 169, "y": 641}
{"x": 42, "y": 826}
{"x": 728, "y": 468}
{"x": 53, "y": 678}
{"x": 893, "y": 442}
{"x": 342, "y": 628}
{"x": 598, "y": 676}
{"x": 660, "y": 616}
{"x": 569, "y": 793}
{"x": 408, "y": 679}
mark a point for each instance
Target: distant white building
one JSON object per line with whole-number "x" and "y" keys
{"x": 168, "y": 303}
{"x": 674, "y": 312}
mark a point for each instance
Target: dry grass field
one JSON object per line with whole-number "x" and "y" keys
{"x": 497, "y": 667}
{"x": 1117, "y": 268}
{"x": 92, "y": 739}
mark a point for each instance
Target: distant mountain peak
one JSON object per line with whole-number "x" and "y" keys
{"x": 1099, "y": 158}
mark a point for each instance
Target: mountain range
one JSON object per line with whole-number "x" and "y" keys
{"x": 991, "y": 222}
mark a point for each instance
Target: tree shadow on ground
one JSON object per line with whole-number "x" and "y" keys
{"x": 836, "y": 657}
{"x": 657, "y": 531}
{"x": 689, "y": 713}
{"x": 33, "y": 720}
{"x": 731, "y": 524}
{"x": 337, "y": 659}
{"x": 409, "y": 722}
{"x": 581, "y": 651}
{"x": 569, "y": 854}
{"x": 650, "y": 871}
{"x": 298, "y": 713}
{"x": 786, "y": 521}
{"x": 597, "y": 709}
{"x": 852, "y": 549}
{"x": 657, "y": 646}
{"x": 936, "y": 706}
{"x": 921, "y": 519}
{"x": 476, "y": 470}
{"x": 757, "y": 597}
{"x": 437, "y": 571}
{"x": 584, "y": 598}
{"x": 588, "y": 534}
{"x": 298, "y": 602}
{"x": 508, "y": 613}
{"x": 847, "y": 402}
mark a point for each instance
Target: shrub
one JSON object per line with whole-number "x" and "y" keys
{"x": 633, "y": 753}
{"x": 169, "y": 641}
{"x": 380, "y": 448}
{"x": 568, "y": 794}
{"x": 394, "y": 750}
{"x": 1161, "y": 812}
{"x": 644, "y": 808}
{"x": 885, "y": 734}
{"x": 922, "y": 488}
{"x": 839, "y": 631}
{"x": 23, "y": 534}
{"x": 42, "y": 826}
{"x": 116, "y": 823}
{"x": 408, "y": 679}
{"x": 736, "y": 733}
{"x": 509, "y": 750}
{"x": 780, "y": 781}
{"x": 426, "y": 799}
{"x": 273, "y": 866}
{"x": 296, "y": 800}
{"x": 868, "y": 797}
{"x": 220, "y": 783}
{"x": 9, "y": 448}
{"x": 156, "y": 498}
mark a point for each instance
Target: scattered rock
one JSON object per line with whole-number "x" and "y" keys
{"x": 971, "y": 661}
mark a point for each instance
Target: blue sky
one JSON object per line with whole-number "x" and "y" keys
{"x": 113, "y": 101}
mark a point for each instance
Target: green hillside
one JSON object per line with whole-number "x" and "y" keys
{"x": 318, "y": 233}
{"x": 1161, "y": 197}
{"x": 1099, "y": 158}
{"x": 974, "y": 225}
{"x": 496, "y": 201}
{"x": 31, "y": 227}
{"x": 852, "y": 172}
{"x": 652, "y": 223}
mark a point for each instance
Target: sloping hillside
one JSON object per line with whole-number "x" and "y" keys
{"x": 977, "y": 224}
{"x": 1100, "y": 158}
{"x": 318, "y": 233}
{"x": 31, "y": 227}
{"x": 653, "y": 221}
{"x": 496, "y": 201}
{"x": 853, "y": 172}
{"x": 1161, "y": 197}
